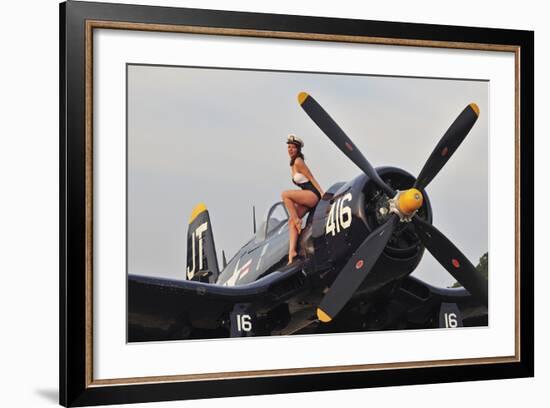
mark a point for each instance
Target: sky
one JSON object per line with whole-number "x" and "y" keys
{"x": 218, "y": 136}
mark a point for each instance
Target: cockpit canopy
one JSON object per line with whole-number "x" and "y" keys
{"x": 277, "y": 217}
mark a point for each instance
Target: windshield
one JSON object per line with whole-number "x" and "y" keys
{"x": 276, "y": 217}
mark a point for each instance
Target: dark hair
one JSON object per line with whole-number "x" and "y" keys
{"x": 300, "y": 155}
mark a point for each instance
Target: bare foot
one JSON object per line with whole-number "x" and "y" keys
{"x": 291, "y": 257}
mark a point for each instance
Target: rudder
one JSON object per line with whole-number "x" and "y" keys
{"x": 202, "y": 261}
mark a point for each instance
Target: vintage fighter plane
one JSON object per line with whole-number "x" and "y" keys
{"x": 357, "y": 250}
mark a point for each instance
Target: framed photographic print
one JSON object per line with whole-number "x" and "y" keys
{"x": 255, "y": 203}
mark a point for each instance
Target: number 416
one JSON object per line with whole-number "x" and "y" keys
{"x": 339, "y": 216}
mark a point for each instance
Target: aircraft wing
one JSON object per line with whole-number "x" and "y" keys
{"x": 432, "y": 306}
{"x": 410, "y": 304}
{"x": 168, "y": 309}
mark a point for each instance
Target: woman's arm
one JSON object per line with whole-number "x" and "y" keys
{"x": 301, "y": 166}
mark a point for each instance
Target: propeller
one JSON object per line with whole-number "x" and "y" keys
{"x": 340, "y": 139}
{"x": 356, "y": 270}
{"x": 402, "y": 208}
{"x": 448, "y": 144}
{"x": 454, "y": 261}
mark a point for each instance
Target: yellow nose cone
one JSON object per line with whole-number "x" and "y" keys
{"x": 410, "y": 201}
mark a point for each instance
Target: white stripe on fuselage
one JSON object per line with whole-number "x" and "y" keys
{"x": 237, "y": 272}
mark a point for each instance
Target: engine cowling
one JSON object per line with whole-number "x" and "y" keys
{"x": 354, "y": 210}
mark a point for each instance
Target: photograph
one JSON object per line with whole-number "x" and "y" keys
{"x": 276, "y": 203}
{"x": 255, "y": 203}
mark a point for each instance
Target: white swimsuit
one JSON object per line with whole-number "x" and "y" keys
{"x": 299, "y": 178}
{"x": 302, "y": 181}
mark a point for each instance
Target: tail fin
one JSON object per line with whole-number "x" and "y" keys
{"x": 202, "y": 262}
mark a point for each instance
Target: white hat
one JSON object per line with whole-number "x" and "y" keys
{"x": 295, "y": 140}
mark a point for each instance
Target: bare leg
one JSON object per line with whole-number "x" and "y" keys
{"x": 300, "y": 212}
{"x": 297, "y": 202}
{"x": 292, "y": 240}
{"x": 289, "y": 204}
{"x": 293, "y": 232}
{"x": 302, "y": 197}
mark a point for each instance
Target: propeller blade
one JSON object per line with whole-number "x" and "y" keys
{"x": 356, "y": 270}
{"x": 447, "y": 145}
{"x": 454, "y": 261}
{"x": 340, "y": 139}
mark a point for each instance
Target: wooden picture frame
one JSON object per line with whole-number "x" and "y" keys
{"x": 78, "y": 385}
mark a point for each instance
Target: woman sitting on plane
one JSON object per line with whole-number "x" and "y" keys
{"x": 298, "y": 202}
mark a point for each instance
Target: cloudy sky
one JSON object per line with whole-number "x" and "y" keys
{"x": 218, "y": 136}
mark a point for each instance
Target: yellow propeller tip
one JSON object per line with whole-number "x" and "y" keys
{"x": 322, "y": 316}
{"x": 475, "y": 108}
{"x": 302, "y": 96}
